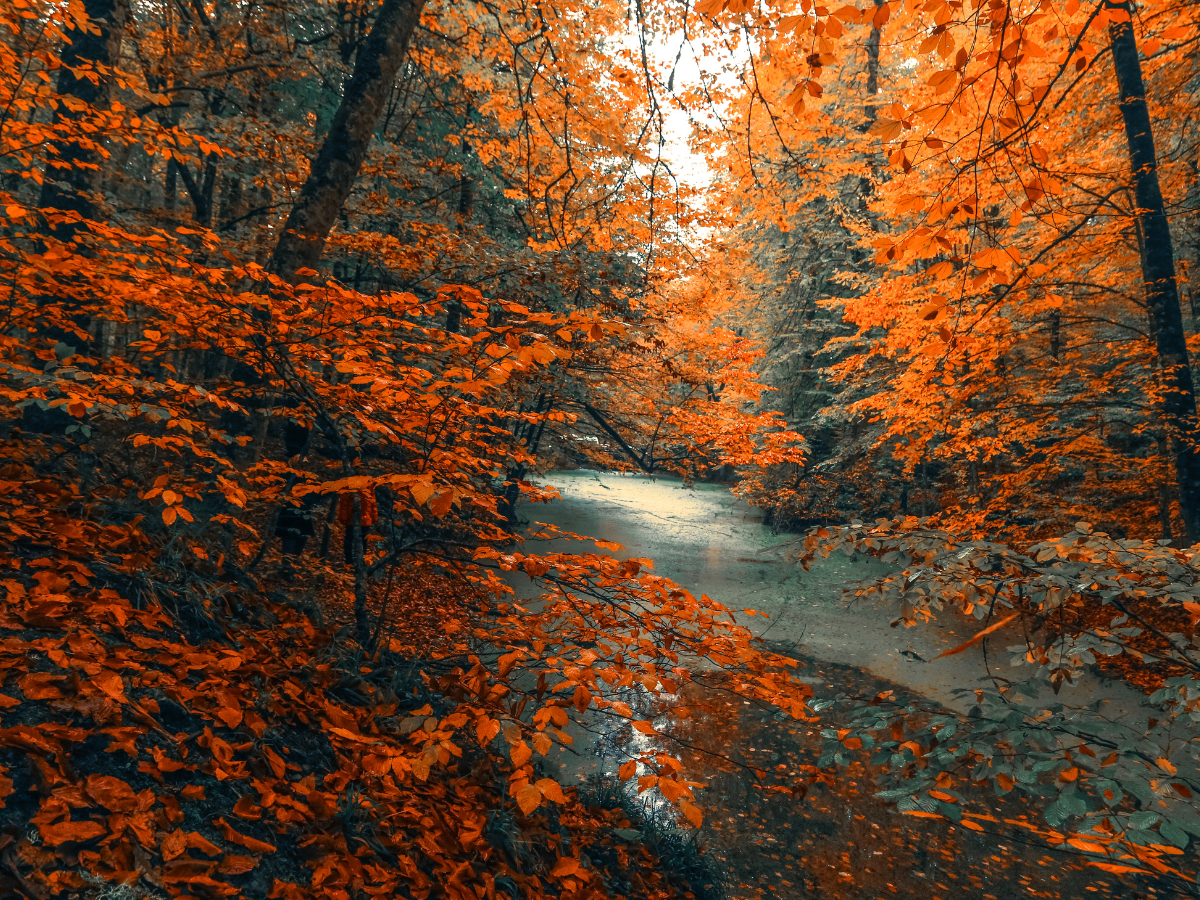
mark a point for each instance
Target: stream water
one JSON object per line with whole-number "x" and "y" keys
{"x": 839, "y": 842}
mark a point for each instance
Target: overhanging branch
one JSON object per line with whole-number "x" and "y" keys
{"x": 647, "y": 467}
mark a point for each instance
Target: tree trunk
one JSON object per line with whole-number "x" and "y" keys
{"x": 866, "y": 186}
{"x": 362, "y": 623}
{"x": 1158, "y": 269}
{"x": 329, "y": 183}
{"x": 201, "y": 192}
{"x": 73, "y": 172}
{"x": 70, "y": 189}
{"x": 336, "y": 166}
{"x": 872, "y": 69}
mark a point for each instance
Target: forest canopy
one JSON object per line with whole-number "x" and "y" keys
{"x": 303, "y": 300}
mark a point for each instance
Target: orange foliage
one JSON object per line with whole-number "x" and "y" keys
{"x": 168, "y": 713}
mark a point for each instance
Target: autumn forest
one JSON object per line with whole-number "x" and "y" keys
{"x": 499, "y": 449}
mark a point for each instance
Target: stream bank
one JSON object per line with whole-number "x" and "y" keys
{"x": 837, "y": 842}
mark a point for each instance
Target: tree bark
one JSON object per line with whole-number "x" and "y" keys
{"x": 866, "y": 186}
{"x": 201, "y": 192}
{"x": 70, "y": 189}
{"x": 1158, "y": 269}
{"x": 336, "y": 166}
{"x": 73, "y": 173}
{"x": 872, "y": 69}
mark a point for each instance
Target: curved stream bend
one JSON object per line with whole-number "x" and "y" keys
{"x": 708, "y": 541}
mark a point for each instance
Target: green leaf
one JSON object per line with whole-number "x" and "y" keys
{"x": 1176, "y": 836}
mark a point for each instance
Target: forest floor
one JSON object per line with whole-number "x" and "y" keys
{"x": 838, "y": 842}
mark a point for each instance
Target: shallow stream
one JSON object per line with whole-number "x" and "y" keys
{"x": 839, "y": 842}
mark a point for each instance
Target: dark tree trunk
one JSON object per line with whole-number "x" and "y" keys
{"x": 329, "y": 183}
{"x": 466, "y": 204}
{"x": 866, "y": 186}
{"x": 1158, "y": 270}
{"x": 466, "y": 190}
{"x": 336, "y": 166}
{"x": 73, "y": 170}
{"x": 646, "y": 464}
{"x": 873, "y": 69}
{"x": 73, "y": 174}
{"x": 171, "y": 184}
{"x": 201, "y": 192}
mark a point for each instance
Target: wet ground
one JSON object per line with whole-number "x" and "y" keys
{"x": 836, "y": 842}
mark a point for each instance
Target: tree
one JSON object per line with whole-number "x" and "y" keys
{"x": 232, "y": 396}
{"x": 336, "y": 167}
{"x": 1158, "y": 266}
{"x": 1009, "y": 376}
{"x": 92, "y": 47}
{"x": 1013, "y": 350}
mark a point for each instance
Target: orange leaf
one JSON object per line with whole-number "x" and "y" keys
{"x": 627, "y": 770}
{"x": 644, "y": 727}
{"x": 486, "y": 729}
{"x": 63, "y": 832}
{"x": 694, "y": 814}
{"x": 252, "y": 844}
{"x": 529, "y": 798}
{"x": 173, "y": 844}
{"x": 582, "y": 698}
{"x": 203, "y": 844}
{"x": 111, "y": 684}
{"x": 520, "y": 754}
{"x": 930, "y": 310}
{"x": 111, "y": 793}
{"x": 236, "y": 865}
{"x": 1087, "y": 846}
{"x": 275, "y": 761}
{"x": 1116, "y": 869}
{"x": 551, "y": 790}
{"x": 245, "y": 808}
{"x": 41, "y": 686}
{"x": 422, "y": 491}
{"x": 566, "y": 865}
{"x": 350, "y": 735}
{"x": 979, "y": 637}
{"x": 440, "y": 505}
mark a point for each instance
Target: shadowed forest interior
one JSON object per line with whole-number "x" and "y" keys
{"x": 525, "y": 450}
